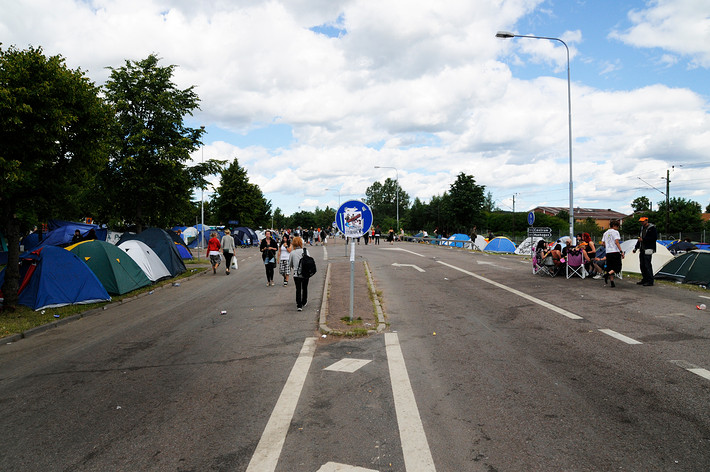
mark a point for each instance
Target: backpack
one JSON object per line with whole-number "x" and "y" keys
{"x": 307, "y": 266}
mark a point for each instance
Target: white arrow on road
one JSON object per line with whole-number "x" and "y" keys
{"x": 408, "y": 265}
{"x": 335, "y": 467}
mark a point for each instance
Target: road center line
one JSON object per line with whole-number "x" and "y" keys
{"x": 267, "y": 452}
{"x": 549, "y": 306}
{"x": 415, "y": 447}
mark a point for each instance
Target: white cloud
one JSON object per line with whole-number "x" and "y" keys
{"x": 416, "y": 85}
{"x": 679, "y": 26}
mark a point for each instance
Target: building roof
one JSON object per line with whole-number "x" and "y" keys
{"x": 584, "y": 213}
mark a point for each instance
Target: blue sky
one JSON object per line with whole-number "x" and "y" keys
{"x": 312, "y": 95}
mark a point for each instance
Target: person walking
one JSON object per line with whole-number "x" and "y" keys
{"x": 390, "y": 236}
{"x": 294, "y": 263}
{"x": 378, "y": 234}
{"x": 614, "y": 254}
{"x": 268, "y": 248}
{"x": 283, "y": 257}
{"x": 647, "y": 245}
{"x": 228, "y": 249}
{"x": 213, "y": 247}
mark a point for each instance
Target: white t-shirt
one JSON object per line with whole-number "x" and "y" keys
{"x": 609, "y": 239}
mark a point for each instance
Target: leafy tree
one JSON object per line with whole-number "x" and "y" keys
{"x": 324, "y": 218}
{"x": 382, "y": 200}
{"x": 147, "y": 181}
{"x": 707, "y": 208}
{"x": 304, "y": 219}
{"x": 466, "y": 201}
{"x": 279, "y": 219}
{"x": 489, "y": 204}
{"x": 684, "y": 215}
{"x": 588, "y": 226}
{"x": 53, "y": 140}
{"x": 641, "y": 204}
{"x": 238, "y": 199}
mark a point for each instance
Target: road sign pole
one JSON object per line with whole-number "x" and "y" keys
{"x": 352, "y": 278}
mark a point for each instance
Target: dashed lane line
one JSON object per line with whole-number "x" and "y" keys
{"x": 620, "y": 336}
{"x": 267, "y": 452}
{"x": 415, "y": 448}
{"x": 524, "y": 295}
{"x": 704, "y": 373}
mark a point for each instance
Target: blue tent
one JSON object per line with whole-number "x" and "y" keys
{"x": 52, "y": 277}
{"x": 500, "y": 244}
{"x": 251, "y": 234}
{"x": 61, "y": 233}
{"x": 459, "y": 237}
{"x": 162, "y": 244}
{"x": 180, "y": 245}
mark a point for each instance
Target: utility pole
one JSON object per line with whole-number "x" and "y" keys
{"x": 668, "y": 201}
{"x": 513, "y": 218}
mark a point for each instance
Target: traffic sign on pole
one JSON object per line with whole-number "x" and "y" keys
{"x": 354, "y": 218}
{"x": 540, "y": 232}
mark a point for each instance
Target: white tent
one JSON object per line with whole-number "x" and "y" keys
{"x": 146, "y": 259}
{"x": 631, "y": 260}
{"x": 527, "y": 247}
{"x": 479, "y": 243}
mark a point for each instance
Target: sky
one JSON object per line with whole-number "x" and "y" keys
{"x": 311, "y": 95}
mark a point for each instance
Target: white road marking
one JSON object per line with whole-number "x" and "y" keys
{"x": 415, "y": 447}
{"x": 620, "y": 337}
{"x": 408, "y": 265}
{"x": 335, "y": 467}
{"x": 325, "y": 253}
{"x": 492, "y": 263}
{"x": 400, "y": 249}
{"x": 704, "y": 373}
{"x": 348, "y": 365}
{"x": 703, "y": 296}
{"x": 267, "y": 452}
{"x": 549, "y": 306}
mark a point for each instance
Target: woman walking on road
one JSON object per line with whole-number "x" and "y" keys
{"x": 228, "y": 248}
{"x": 213, "y": 247}
{"x": 294, "y": 263}
{"x": 268, "y": 250}
{"x": 283, "y": 257}
{"x": 614, "y": 254}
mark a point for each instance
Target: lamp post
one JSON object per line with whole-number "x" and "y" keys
{"x": 397, "y": 190}
{"x": 508, "y": 35}
{"x": 202, "y": 200}
{"x": 334, "y": 190}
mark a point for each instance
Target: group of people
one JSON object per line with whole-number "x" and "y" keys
{"x": 605, "y": 261}
{"x": 289, "y": 253}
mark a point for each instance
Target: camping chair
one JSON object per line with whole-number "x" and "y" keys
{"x": 544, "y": 266}
{"x": 574, "y": 264}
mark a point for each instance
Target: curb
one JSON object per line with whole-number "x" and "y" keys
{"x": 94, "y": 311}
{"x": 381, "y": 325}
{"x": 324, "y": 305}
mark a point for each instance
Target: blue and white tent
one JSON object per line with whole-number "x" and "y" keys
{"x": 500, "y": 244}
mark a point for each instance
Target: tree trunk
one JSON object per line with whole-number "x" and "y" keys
{"x": 12, "y": 271}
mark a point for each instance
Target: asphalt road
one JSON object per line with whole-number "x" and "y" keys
{"x": 485, "y": 367}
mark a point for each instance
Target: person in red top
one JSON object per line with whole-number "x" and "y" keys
{"x": 213, "y": 247}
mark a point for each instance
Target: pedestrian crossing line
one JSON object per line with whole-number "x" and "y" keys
{"x": 267, "y": 452}
{"x": 524, "y": 295}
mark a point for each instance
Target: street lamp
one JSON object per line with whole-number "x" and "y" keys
{"x": 397, "y": 190}
{"x": 202, "y": 199}
{"x": 334, "y": 190}
{"x": 508, "y": 35}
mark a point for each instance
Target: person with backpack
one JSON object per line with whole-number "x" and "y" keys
{"x": 300, "y": 276}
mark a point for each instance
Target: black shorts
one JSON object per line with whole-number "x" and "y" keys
{"x": 613, "y": 262}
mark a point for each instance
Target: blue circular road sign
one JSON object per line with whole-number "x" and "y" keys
{"x": 354, "y": 218}
{"x": 531, "y": 218}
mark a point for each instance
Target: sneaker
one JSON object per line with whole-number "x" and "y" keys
{"x": 285, "y": 283}
{"x": 606, "y": 278}
{"x": 305, "y": 304}
{"x": 597, "y": 277}
{"x": 299, "y": 309}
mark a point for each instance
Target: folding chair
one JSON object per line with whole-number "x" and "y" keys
{"x": 574, "y": 264}
{"x": 544, "y": 266}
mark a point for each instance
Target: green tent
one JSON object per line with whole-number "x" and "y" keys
{"x": 115, "y": 269}
{"x": 690, "y": 268}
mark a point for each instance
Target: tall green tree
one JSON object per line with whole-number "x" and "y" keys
{"x": 641, "y": 204}
{"x": 382, "y": 200}
{"x": 466, "y": 203}
{"x": 147, "y": 181}
{"x": 238, "y": 199}
{"x": 684, "y": 215}
{"x": 53, "y": 140}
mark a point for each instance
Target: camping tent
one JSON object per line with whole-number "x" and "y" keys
{"x": 459, "y": 237}
{"x": 146, "y": 259}
{"x": 500, "y": 244}
{"x": 117, "y": 271}
{"x": 180, "y": 245}
{"x": 690, "y": 268}
{"x": 160, "y": 242}
{"x": 51, "y": 277}
{"x": 681, "y": 246}
{"x": 251, "y": 233}
{"x": 479, "y": 243}
{"x": 527, "y": 247}
{"x": 61, "y": 233}
{"x": 631, "y": 261}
